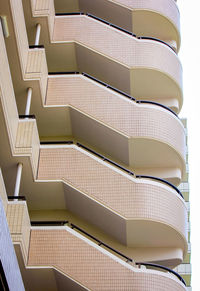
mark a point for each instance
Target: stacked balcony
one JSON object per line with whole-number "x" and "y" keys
{"x": 99, "y": 143}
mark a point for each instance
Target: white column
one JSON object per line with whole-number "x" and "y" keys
{"x": 37, "y": 36}
{"x": 28, "y": 101}
{"x": 18, "y": 179}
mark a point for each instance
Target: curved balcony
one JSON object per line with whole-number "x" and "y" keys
{"x": 128, "y": 63}
{"x": 114, "y": 201}
{"x": 50, "y": 244}
{"x": 171, "y": 144}
{"x": 90, "y": 266}
{"x": 158, "y": 18}
{"x": 114, "y": 51}
{"x": 143, "y": 137}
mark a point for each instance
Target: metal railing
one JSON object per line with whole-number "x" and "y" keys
{"x": 70, "y": 13}
{"x": 108, "y": 86}
{"x": 111, "y": 24}
{"x": 104, "y": 158}
{"x": 157, "y": 39}
{"x": 100, "y": 243}
{"x": 30, "y": 116}
{"x": 130, "y": 172}
{"x": 156, "y": 266}
{"x": 36, "y": 46}
{"x": 116, "y": 164}
{"x": 56, "y": 142}
{"x": 157, "y": 104}
{"x": 160, "y": 180}
{"x": 12, "y": 197}
{"x": 64, "y": 73}
{"x": 117, "y": 27}
{"x": 49, "y": 223}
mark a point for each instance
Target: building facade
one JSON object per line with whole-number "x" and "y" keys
{"x": 92, "y": 148}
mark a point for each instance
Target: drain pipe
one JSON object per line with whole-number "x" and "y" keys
{"x": 18, "y": 179}
{"x": 28, "y": 101}
{"x": 37, "y": 36}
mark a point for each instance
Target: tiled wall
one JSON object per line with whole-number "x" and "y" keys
{"x": 109, "y": 107}
{"x": 91, "y": 267}
{"x": 142, "y": 199}
{"x": 19, "y": 225}
{"x": 117, "y": 45}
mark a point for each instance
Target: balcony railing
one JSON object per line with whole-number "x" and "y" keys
{"x": 36, "y": 46}
{"x": 30, "y": 116}
{"x": 156, "y": 39}
{"x": 115, "y": 89}
{"x": 116, "y": 164}
{"x": 56, "y": 142}
{"x": 117, "y": 27}
{"x": 12, "y": 197}
{"x": 161, "y": 180}
{"x": 101, "y": 243}
{"x": 156, "y": 266}
{"x": 49, "y": 223}
{"x": 104, "y": 158}
{"x": 130, "y": 172}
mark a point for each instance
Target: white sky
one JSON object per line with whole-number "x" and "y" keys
{"x": 190, "y": 58}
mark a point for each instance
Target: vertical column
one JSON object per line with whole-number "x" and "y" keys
{"x": 37, "y": 36}
{"x": 18, "y": 179}
{"x": 28, "y": 101}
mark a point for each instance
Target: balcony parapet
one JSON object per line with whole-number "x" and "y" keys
{"x": 165, "y": 67}
{"x": 100, "y": 259}
{"x": 143, "y": 120}
{"x": 119, "y": 198}
{"x": 162, "y": 17}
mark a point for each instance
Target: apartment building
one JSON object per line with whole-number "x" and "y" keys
{"x": 92, "y": 148}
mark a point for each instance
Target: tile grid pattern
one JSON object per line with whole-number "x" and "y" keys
{"x": 167, "y": 8}
{"x": 91, "y": 267}
{"x": 36, "y": 68}
{"x": 19, "y": 225}
{"x": 109, "y": 41}
{"x": 27, "y": 141}
{"x": 136, "y": 200}
{"x": 108, "y": 107}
